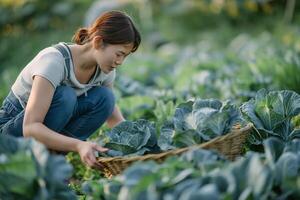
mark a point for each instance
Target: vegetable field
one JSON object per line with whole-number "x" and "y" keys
{"x": 202, "y": 69}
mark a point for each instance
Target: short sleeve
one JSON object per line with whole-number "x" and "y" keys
{"x": 51, "y": 67}
{"x": 110, "y": 78}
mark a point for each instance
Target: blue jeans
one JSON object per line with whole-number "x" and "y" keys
{"x": 73, "y": 116}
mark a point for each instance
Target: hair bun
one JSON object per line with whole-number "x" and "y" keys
{"x": 81, "y": 36}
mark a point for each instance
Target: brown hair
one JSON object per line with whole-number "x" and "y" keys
{"x": 114, "y": 27}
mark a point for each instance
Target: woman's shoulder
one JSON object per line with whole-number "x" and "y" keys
{"x": 48, "y": 56}
{"x": 51, "y": 53}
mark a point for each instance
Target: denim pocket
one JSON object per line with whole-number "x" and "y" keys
{"x": 4, "y": 117}
{"x": 9, "y": 108}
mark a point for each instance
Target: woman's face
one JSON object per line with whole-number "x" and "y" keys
{"x": 110, "y": 56}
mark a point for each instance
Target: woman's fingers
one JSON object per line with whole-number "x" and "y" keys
{"x": 101, "y": 149}
{"x": 87, "y": 154}
{"x": 88, "y": 162}
{"x": 93, "y": 162}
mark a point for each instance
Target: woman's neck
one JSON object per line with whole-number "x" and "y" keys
{"x": 84, "y": 65}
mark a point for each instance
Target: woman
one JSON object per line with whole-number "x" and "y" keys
{"x": 65, "y": 93}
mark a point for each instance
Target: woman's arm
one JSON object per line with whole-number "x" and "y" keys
{"x": 36, "y": 109}
{"x": 115, "y": 118}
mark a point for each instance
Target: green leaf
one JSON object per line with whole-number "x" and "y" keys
{"x": 287, "y": 167}
{"x": 17, "y": 174}
{"x": 264, "y": 110}
{"x": 131, "y": 137}
{"x": 30, "y": 172}
{"x": 209, "y": 192}
{"x": 248, "y": 109}
{"x": 274, "y": 147}
{"x": 293, "y": 146}
{"x": 202, "y": 158}
{"x": 272, "y": 113}
{"x": 182, "y": 112}
{"x": 8, "y": 144}
{"x": 186, "y": 138}
{"x": 214, "y": 118}
{"x": 250, "y": 173}
{"x": 294, "y": 134}
{"x": 165, "y": 140}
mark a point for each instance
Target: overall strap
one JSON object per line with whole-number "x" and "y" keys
{"x": 66, "y": 56}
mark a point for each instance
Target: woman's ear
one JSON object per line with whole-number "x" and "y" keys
{"x": 98, "y": 42}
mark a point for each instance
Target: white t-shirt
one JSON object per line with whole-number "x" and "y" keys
{"x": 50, "y": 64}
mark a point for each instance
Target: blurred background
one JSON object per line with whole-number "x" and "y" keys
{"x": 225, "y": 49}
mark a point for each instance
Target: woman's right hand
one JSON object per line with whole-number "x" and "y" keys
{"x": 86, "y": 151}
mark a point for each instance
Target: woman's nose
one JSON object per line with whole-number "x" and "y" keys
{"x": 119, "y": 61}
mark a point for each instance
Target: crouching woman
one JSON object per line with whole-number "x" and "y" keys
{"x": 65, "y": 93}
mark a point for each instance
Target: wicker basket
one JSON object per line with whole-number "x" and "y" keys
{"x": 230, "y": 145}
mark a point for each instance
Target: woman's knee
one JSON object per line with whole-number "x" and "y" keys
{"x": 62, "y": 108}
{"x": 65, "y": 97}
{"x": 106, "y": 99}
